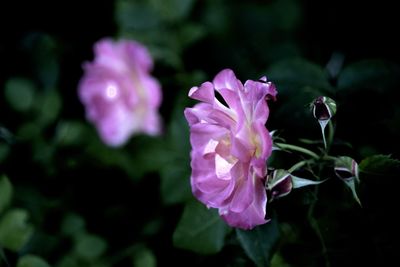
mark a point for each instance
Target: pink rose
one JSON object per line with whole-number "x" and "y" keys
{"x": 230, "y": 146}
{"x": 120, "y": 96}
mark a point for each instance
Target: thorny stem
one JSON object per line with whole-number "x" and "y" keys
{"x": 298, "y": 149}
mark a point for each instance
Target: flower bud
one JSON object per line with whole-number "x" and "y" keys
{"x": 346, "y": 168}
{"x": 323, "y": 108}
{"x": 279, "y": 183}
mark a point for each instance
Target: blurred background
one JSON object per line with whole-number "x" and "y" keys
{"x": 70, "y": 200}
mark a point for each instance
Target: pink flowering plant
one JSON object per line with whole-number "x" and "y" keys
{"x": 198, "y": 134}
{"x": 231, "y": 150}
{"x": 121, "y": 97}
{"x": 230, "y": 147}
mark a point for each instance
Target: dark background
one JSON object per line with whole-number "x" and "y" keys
{"x": 250, "y": 41}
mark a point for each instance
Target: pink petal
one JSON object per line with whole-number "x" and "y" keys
{"x": 254, "y": 214}
{"x": 226, "y": 79}
{"x": 203, "y": 93}
{"x": 243, "y": 194}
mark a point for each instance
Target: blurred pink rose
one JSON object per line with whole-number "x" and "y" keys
{"x": 230, "y": 146}
{"x": 120, "y": 96}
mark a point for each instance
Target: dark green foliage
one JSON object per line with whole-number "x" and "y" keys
{"x": 68, "y": 200}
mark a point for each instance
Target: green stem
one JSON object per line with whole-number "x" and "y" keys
{"x": 323, "y": 137}
{"x": 315, "y": 226}
{"x": 331, "y": 133}
{"x": 298, "y": 165}
{"x": 298, "y": 149}
{"x": 327, "y": 157}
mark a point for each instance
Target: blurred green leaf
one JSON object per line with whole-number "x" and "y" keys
{"x": 259, "y": 242}
{"x": 179, "y": 133}
{"x": 175, "y": 178}
{"x": 278, "y": 261}
{"x": 14, "y": 229}
{"x": 133, "y": 15}
{"x": 298, "y": 83}
{"x": 291, "y": 75}
{"x": 43, "y": 50}
{"x": 28, "y": 131}
{"x": 371, "y": 74}
{"x": 4, "y": 150}
{"x": 6, "y": 192}
{"x": 6, "y": 135}
{"x": 70, "y": 133}
{"x": 20, "y": 93}
{"x": 379, "y": 165}
{"x": 190, "y": 33}
{"x": 48, "y": 107}
{"x": 200, "y": 229}
{"x": 155, "y": 24}
{"x": 68, "y": 261}
{"x": 144, "y": 257}
{"x": 149, "y": 155}
{"x": 139, "y": 15}
{"x": 175, "y": 183}
{"x": 31, "y": 261}
{"x": 172, "y": 10}
{"x": 287, "y": 13}
{"x": 89, "y": 247}
{"x": 73, "y": 225}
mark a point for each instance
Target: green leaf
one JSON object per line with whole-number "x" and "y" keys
{"x": 20, "y": 93}
{"x": 290, "y": 75}
{"x": 89, "y": 247}
{"x": 48, "y": 107}
{"x": 28, "y": 131}
{"x": 200, "y": 229}
{"x": 31, "y": 261}
{"x": 189, "y": 33}
{"x": 279, "y": 261}
{"x": 175, "y": 178}
{"x": 68, "y": 260}
{"x": 44, "y": 56}
{"x": 172, "y": 10}
{"x": 144, "y": 257}
{"x": 379, "y": 165}
{"x": 14, "y": 229}
{"x": 352, "y": 185}
{"x": 133, "y": 16}
{"x": 259, "y": 242}
{"x": 71, "y": 133}
{"x": 371, "y": 74}
{"x": 73, "y": 225}
{"x": 6, "y": 192}
{"x": 287, "y": 13}
{"x": 300, "y": 182}
{"x": 175, "y": 182}
{"x": 298, "y": 82}
{"x": 4, "y": 151}
{"x": 6, "y": 135}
